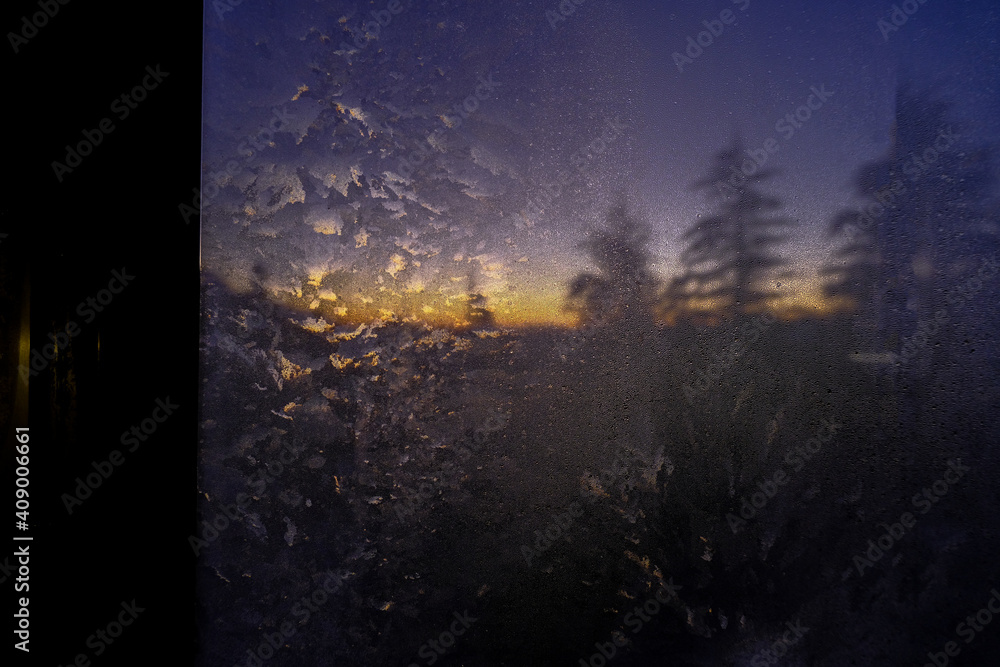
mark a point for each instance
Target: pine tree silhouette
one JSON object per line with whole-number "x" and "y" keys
{"x": 625, "y": 286}
{"x": 854, "y": 273}
{"x": 923, "y": 213}
{"x": 728, "y": 256}
{"x": 922, "y": 231}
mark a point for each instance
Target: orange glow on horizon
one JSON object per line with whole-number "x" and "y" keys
{"x": 539, "y": 306}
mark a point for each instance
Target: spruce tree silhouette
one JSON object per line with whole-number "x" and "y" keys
{"x": 625, "y": 286}
{"x": 924, "y": 230}
{"x": 728, "y": 256}
{"x": 854, "y": 272}
{"x": 922, "y": 218}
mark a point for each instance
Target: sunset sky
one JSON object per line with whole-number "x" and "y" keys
{"x": 412, "y": 247}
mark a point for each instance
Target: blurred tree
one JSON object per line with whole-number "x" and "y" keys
{"x": 728, "y": 257}
{"x": 624, "y": 287}
{"x": 924, "y": 229}
{"x": 853, "y": 274}
{"x": 922, "y": 221}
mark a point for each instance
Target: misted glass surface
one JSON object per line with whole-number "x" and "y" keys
{"x": 587, "y": 333}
